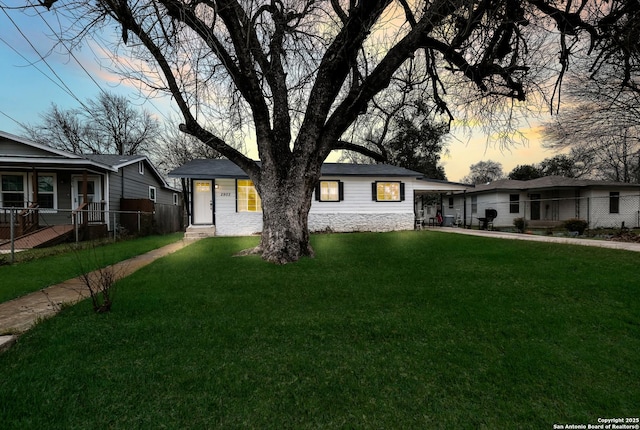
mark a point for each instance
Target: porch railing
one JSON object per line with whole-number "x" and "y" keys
{"x": 90, "y": 213}
{"x": 25, "y": 219}
{"x": 28, "y": 218}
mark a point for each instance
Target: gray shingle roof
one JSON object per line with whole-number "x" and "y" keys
{"x": 547, "y": 182}
{"x": 113, "y": 160}
{"x": 220, "y": 168}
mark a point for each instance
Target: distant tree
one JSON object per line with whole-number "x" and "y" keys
{"x": 525, "y": 172}
{"x": 419, "y": 148}
{"x": 177, "y": 148}
{"x": 568, "y": 165}
{"x": 108, "y": 124}
{"x": 483, "y": 172}
{"x": 601, "y": 122}
{"x": 408, "y": 138}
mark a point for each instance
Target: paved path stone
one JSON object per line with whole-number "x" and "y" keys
{"x": 19, "y": 315}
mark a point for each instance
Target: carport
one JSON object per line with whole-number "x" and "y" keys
{"x": 432, "y": 197}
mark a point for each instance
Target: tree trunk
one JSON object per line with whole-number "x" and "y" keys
{"x": 285, "y": 210}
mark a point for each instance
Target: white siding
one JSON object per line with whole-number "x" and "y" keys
{"x": 357, "y": 212}
{"x": 629, "y": 209}
{"x": 360, "y": 212}
{"x": 228, "y": 221}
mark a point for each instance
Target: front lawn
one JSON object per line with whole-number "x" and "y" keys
{"x": 39, "y": 268}
{"x": 393, "y": 330}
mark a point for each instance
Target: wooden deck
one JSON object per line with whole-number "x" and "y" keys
{"x": 43, "y": 237}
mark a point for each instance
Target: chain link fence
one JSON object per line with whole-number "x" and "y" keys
{"x": 610, "y": 210}
{"x": 17, "y": 224}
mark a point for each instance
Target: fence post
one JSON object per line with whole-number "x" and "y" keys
{"x": 75, "y": 222}
{"x": 138, "y": 222}
{"x": 12, "y": 235}
{"x": 114, "y": 227}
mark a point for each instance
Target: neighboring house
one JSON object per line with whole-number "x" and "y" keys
{"x": 349, "y": 197}
{"x": 49, "y": 186}
{"x": 548, "y": 201}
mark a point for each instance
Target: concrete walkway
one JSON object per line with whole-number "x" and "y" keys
{"x": 627, "y": 246}
{"x": 19, "y": 315}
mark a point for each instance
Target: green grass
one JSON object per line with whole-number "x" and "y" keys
{"x": 40, "y": 268}
{"x": 394, "y": 330}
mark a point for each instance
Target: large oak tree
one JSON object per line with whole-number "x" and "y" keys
{"x": 299, "y": 73}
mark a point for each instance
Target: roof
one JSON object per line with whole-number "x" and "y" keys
{"x": 548, "y": 182}
{"x": 48, "y": 149}
{"x": 118, "y": 161}
{"x": 222, "y": 168}
{"x": 33, "y": 154}
{"x": 46, "y": 156}
{"x": 114, "y": 160}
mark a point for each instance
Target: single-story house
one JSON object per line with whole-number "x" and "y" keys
{"x": 43, "y": 186}
{"x": 348, "y": 198}
{"x": 548, "y": 201}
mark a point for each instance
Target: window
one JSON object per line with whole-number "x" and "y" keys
{"x": 388, "y": 191}
{"x": 152, "y": 193}
{"x": 330, "y": 191}
{"x": 614, "y": 202}
{"x": 176, "y": 201}
{"x": 474, "y": 204}
{"x": 450, "y": 202}
{"x": 514, "y": 203}
{"x": 46, "y": 191}
{"x": 13, "y": 191}
{"x": 141, "y": 167}
{"x": 248, "y": 199}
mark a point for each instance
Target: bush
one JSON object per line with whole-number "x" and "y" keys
{"x": 519, "y": 223}
{"x": 576, "y": 224}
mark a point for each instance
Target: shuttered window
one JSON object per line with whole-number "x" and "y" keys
{"x": 329, "y": 191}
{"x": 387, "y": 191}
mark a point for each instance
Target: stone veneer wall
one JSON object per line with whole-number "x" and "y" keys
{"x": 244, "y": 224}
{"x": 360, "y": 222}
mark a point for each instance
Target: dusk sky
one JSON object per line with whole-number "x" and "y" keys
{"x": 30, "y": 85}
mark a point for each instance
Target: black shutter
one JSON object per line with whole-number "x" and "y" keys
{"x": 374, "y": 195}
{"x": 317, "y": 192}
{"x": 402, "y": 191}
{"x": 340, "y": 190}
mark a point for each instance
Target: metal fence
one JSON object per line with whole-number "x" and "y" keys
{"x": 89, "y": 223}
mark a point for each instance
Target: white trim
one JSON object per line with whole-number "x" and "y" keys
{"x": 36, "y": 145}
{"x": 107, "y": 196}
{"x": 75, "y": 192}
{"x": 29, "y": 161}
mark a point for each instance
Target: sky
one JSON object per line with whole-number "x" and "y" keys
{"x": 30, "y": 85}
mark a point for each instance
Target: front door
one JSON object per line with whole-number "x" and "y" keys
{"x": 93, "y": 190}
{"x": 535, "y": 206}
{"x": 203, "y": 202}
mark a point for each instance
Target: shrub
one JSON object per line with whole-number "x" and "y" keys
{"x": 576, "y": 224}
{"x": 519, "y": 223}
